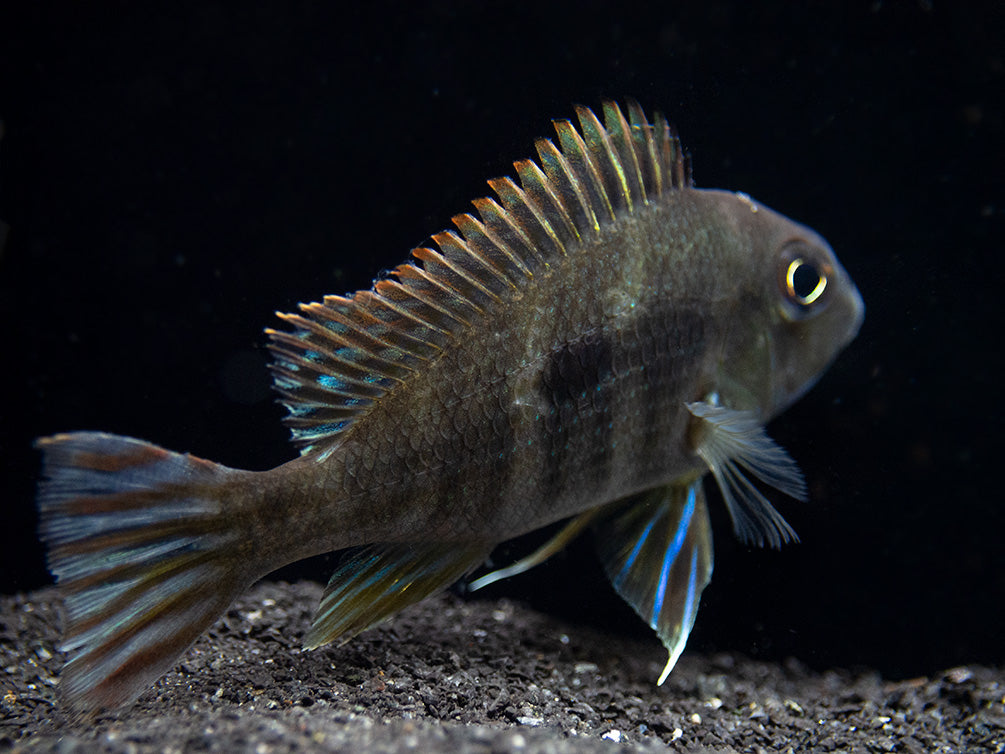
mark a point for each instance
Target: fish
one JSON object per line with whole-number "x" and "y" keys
{"x": 587, "y": 347}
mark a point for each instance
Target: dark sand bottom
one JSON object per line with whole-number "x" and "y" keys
{"x": 478, "y": 676}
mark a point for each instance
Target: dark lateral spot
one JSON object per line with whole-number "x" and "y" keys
{"x": 576, "y": 368}
{"x": 576, "y": 384}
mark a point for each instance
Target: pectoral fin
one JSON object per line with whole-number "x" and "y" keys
{"x": 380, "y": 580}
{"x": 732, "y": 442}
{"x": 657, "y": 552}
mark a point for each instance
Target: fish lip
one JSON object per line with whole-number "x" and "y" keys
{"x": 858, "y": 307}
{"x": 854, "y": 304}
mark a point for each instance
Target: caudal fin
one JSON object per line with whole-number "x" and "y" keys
{"x": 142, "y": 557}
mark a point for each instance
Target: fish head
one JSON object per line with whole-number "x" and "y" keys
{"x": 792, "y": 308}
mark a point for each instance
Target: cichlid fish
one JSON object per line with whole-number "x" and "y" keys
{"x": 592, "y": 344}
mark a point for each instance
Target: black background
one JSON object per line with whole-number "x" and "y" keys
{"x": 172, "y": 176}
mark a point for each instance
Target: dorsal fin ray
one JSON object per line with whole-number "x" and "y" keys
{"x": 621, "y": 141}
{"x": 536, "y": 185}
{"x": 530, "y": 217}
{"x": 646, "y": 149}
{"x": 568, "y": 188}
{"x": 493, "y": 249}
{"x": 345, "y": 352}
{"x": 587, "y": 173}
{"x": 604, "y": 157}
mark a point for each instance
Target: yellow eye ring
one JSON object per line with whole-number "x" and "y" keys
{"x": 790, "y": 282}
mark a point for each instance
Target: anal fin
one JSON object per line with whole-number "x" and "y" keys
{"x": 657, "y": 552}
{"x": 381, "y": 580}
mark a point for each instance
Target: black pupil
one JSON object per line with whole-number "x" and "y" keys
{"x": 805, "y": 279}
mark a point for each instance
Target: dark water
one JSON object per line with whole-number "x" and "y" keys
{"x": 172, "y": 178}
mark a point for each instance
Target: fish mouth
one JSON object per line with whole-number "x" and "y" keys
{"x": 857, "y": 306}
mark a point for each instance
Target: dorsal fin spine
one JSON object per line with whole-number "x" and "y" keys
{"x": 310, "y": 408}
{"x": 347, "y": 334}
{"x": 621, "y": 139}
{"x": 469, "y": 256}
{"x": 536, "y": 184}
{"x": 576, "y": 152}
{"x": 511, "y": 234}
{"x": 340, "y": 384}
{"x": 401, "y": 328}
{"x": 667, "y": 159}
{"x": 570, "y": 189}
{"x": 347, "y": 352}
{"x": 602, "y": 155}
{"x": 464, "y": 286}
{"x": 354, "y": 374}
{"x": 412, "y": 287}
{"x": 358, "y": 370}
{"x": 543, "y": 237}
{"x": 672, "y": 157}
{"x": 435, "y": 330}
{"x": 481, "y": 236}
{"x": 465, "y": 259}
{"x": 335, "y": 334}
{"x": 421, "y": 329}
{"x": 642, "y": 136}
{"x": 548, "y": 220}
{"x": 422, "y": 285}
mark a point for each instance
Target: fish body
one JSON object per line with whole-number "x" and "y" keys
{"x": 588, "y": 347}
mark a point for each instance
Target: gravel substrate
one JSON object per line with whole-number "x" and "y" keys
{"x": 486, "y": 676}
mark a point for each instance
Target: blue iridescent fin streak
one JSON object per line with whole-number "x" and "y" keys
{"x": 347, "y": 351}
{"x": 380, "y": 580}
{"x": 733, "y": 441}
{"x": 141, "y": 557}
{"x": 657, "y": 552}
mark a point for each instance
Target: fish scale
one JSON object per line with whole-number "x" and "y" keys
{"x": 586, "y": 347}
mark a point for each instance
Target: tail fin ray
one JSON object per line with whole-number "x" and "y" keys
{"x": 140, "y": 551}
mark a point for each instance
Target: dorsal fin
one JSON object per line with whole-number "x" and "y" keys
{"x": 346, "y": 352}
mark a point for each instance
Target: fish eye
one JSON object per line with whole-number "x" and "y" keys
{"x": 803, "y": 276}
{"x": 804, "y": 283}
